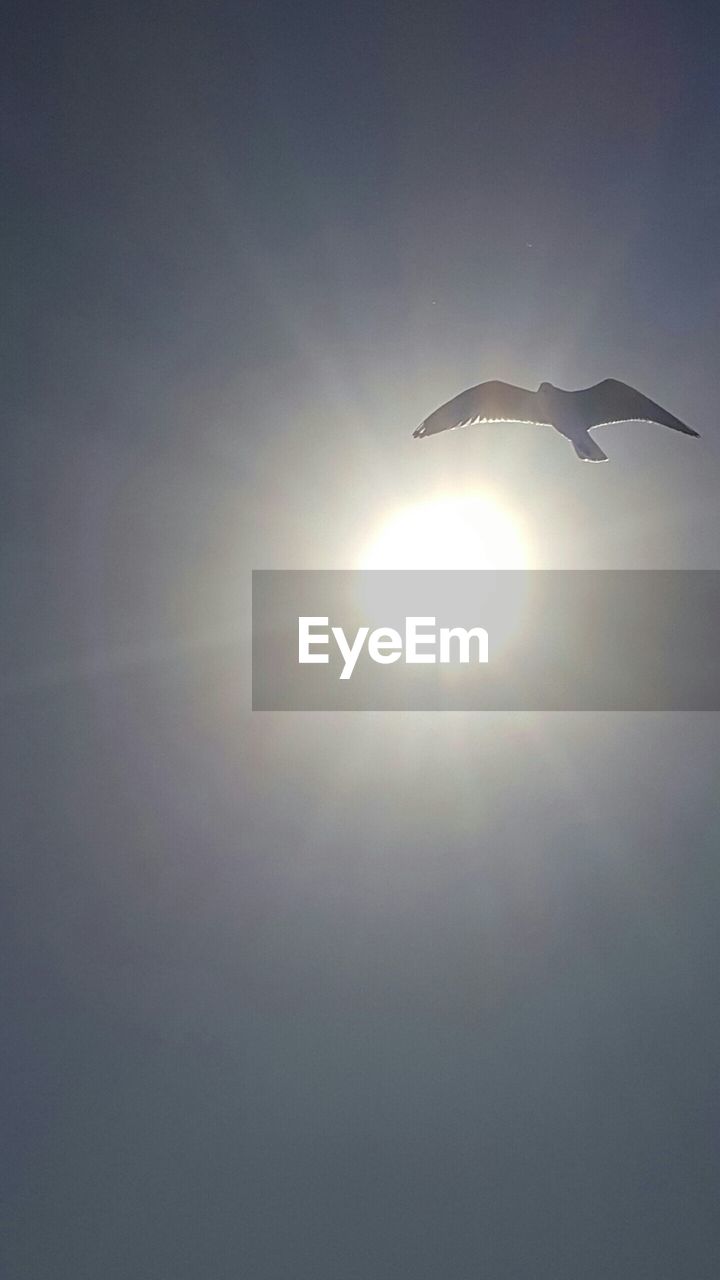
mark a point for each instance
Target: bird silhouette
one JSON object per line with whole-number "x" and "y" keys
{"x": 573, "y": 413}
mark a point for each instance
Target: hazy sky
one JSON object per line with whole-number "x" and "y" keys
{"x": 346, "y": 997}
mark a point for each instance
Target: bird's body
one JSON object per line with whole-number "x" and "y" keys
{"x": 572, "y": 413}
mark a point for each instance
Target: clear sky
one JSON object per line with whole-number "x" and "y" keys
{"x": 345, "y": 997}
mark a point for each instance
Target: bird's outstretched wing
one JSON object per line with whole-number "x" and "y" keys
{"x": 488, "y": 402}
{"x": 613, "y": 401}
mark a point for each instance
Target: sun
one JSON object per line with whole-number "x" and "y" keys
{"x": 469, "y": 531}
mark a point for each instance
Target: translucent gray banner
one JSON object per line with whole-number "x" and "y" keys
{"x": 508, "y": 640}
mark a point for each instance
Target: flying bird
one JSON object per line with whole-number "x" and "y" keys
{"x": 573, "y": 413}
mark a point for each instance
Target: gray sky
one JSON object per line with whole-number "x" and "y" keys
{"x": 345, "y": 996}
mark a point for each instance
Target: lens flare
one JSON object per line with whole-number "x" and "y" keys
{"x": 469, "y": 531}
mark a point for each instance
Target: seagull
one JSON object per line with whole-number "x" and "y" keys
{"x": 573, "y": 413}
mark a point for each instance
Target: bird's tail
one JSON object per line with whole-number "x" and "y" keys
{"x": 587, "y": 450}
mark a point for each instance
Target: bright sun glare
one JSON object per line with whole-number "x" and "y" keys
{"x": 465, "y": 532}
